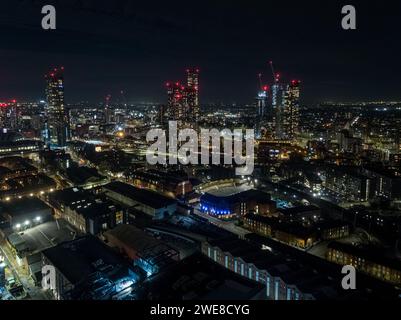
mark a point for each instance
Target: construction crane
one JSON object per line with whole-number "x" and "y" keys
{"x": 276, "y": 76}
{"x": 260, "y": 81}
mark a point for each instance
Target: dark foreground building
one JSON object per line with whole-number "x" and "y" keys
{"x": 86, "y": 269}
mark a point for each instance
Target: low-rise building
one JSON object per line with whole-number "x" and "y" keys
{"x": 293, "y": 234}
{"x": 367, "y": 260}
{"x": 87, "y": 212}
{"x": 25, "y": 213}
{"x": 87, "y": 269}
{"x": 149, "y": 202}
{"x": 170, "y": 184}
{"x": 142, "y": 249}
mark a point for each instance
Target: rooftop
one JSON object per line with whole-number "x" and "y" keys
{"x": 77, "y": 259}
{"x": 147, "y": 197}
{"x": 20, "y": 207}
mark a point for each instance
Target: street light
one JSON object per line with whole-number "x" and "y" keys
{"x": 27, "y": 222}
{"x": 37, "y": 219}
{"x": 18, "y": 226}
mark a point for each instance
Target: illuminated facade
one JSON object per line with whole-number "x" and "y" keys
{"x": 193, "y": 92}
{"x": 278, "y": 103}
{"x": 285, "y": 105}
{"x": 261, "y": 110}
{"x": 183, "y": 101}
{"x": 57, "y": 131}
{"x": 365, "y": 260}
{"x": 177, "y": 101}
{"x": 290, "y": 119}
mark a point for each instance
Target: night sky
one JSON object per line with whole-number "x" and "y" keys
{"x": 136, "y": 46}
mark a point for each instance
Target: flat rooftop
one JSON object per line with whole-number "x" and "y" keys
{"x": 228, "y": 191}
{"x": 18, "y": 207}
{"x": 45, "y": 235}
{"x": 196, "y": 278}
{"x": 147, "y": 197}
{"x": 79, "y": 258}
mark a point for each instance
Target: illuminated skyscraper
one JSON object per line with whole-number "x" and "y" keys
{"x": 177, "y": 102}
{"x": 278, "y": 103}
{"x": 261, "y": 110}
{"x": 183, "y": 101}
{"x": 57, "y": 118}
{"x": 193, "y": 92}
{"x": 291, "y": 110}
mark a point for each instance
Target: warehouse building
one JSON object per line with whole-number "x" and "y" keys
{"x": 142, "y": 249}
{"x": 149, "y": 202}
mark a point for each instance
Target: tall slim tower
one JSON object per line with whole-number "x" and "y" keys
{"x": 291, "y": 110}
{"x": 278, "y": 103}
{"x": 57, "y": 117}
{"x": 193, "y": 92}
{"x": 261, "y": 110}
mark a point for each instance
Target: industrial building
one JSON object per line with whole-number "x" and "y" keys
{"x": 168, "y": 183}
{"x": 149, "y": 202}
{"x": 288, "y": 273}
{"x": 87, "y": 212}
{"x": 142, "y": 249}
{"x": 293, "y": 234}
{"x": 25, "y": 213}
{"x": 87, "y": 269}
{"x": 371, "y": 261}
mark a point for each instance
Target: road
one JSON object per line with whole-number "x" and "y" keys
{"x": 22, "y": 275}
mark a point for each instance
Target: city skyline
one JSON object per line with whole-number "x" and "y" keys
{"x": 192, "y": 153}
{"x": 136, "y": 48}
